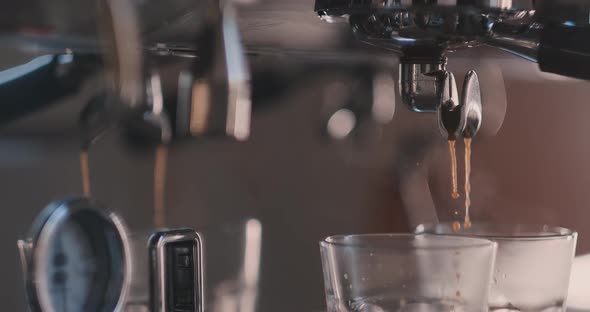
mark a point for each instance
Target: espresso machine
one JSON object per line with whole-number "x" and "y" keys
{"x": 189, "y": 155}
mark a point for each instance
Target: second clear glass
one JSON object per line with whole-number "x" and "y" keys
{"x": 533, "y": 263}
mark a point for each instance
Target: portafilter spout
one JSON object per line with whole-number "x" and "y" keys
{"x": 460, "y": 116}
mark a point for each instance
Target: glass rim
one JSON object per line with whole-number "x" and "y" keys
{"x": 452, "y": 242}
{"x": 502, "y": 231}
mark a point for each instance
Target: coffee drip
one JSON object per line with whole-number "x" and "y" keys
{"x": 467, "y": 221}
{"x": 85, "y": 172}
{"x": 460, "y": 117}
{"x": 453, "y": 154}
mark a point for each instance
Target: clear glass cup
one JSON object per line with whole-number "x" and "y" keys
{"x": 533, "y": 263}
{"x": 405, "y": 272}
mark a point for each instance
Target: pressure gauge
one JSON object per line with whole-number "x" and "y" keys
{"x": 76, "y": 259}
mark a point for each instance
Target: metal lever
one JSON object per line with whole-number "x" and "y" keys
{"x": 214, "y": 96}
{"x": 149, "y": 124}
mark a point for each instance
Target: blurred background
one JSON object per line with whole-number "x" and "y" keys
{"x": 293, "y": 174}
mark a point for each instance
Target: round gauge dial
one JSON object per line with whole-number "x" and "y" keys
{"x": 79, "y": 259}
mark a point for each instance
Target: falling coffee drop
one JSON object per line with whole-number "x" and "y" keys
{"x": 456, "y": 226}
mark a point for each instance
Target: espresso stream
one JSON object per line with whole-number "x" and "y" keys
{"x": 85, "y": 172}
{"x": 467, "y": 222}
{"x": 454, "y": 192}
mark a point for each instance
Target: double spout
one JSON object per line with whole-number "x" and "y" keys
{"x": 460, "y": 117}
{"x": 429, "y": 87}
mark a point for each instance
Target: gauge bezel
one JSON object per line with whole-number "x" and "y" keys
{"x": 44, "y": 230}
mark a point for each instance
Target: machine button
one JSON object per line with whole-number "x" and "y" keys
{"x": 176, "y": 276}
